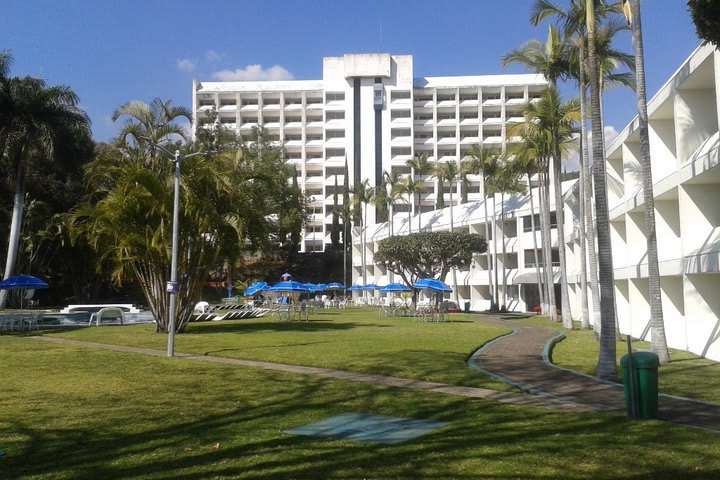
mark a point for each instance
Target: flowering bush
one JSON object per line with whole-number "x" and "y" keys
{"x": 537, "y": 310}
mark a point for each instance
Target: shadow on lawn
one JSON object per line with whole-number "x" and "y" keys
{"x": 483, "y": 439}
{"x": 268, "y": 325}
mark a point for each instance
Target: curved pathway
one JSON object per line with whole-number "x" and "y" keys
{"x": 521, "y": 359}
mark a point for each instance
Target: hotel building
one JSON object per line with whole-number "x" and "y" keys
{"x": 371, "y": 112}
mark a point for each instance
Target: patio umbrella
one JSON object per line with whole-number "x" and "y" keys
{"x": 355, "y": 287}
{"x": 335, "y": 286}
{"x": 255, "y": 288}
{"x": 371, "y": 286}
{"x": 433, "y": 285}
{"x": 313, "y": 288}
{"x": 22, "y": 282}
{"x": 394, "y": 287}
{"x": 289, "y": 286}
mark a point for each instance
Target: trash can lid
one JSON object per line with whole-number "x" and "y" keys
{"x": 641, "y": 360}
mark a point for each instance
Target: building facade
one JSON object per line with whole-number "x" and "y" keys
{"x": 370, "y": 113}
{"x": 685, "y": 154}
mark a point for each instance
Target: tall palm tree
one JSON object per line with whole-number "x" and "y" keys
{"x": 364, "y": 194}
{"x": 549, "y": 58}
{"x": 449, "y": 171}
{"x": 573, "y": 22}
{"x": 35, "y": 118}
{"x": 658, "y": 340}
{"x": 480, "y": 161}
{"x": 507, "y": 181}
{"x": 606, "y": 359}
{"x": 421, "y": 168}
{"x": 409, "y": 187}
{"x": 392, "y": 183}
{"x": 557, "y": 118}
{"x": 527, "y": 157}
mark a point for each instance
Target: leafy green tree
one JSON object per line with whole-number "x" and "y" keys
{"x": 230, "y": 198}
{"x": 35, "y": 120}
{"x": 706, "y": 17}
{"x": 430, "y": 254}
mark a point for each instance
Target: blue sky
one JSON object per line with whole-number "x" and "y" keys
{"x": 111, "y": 52}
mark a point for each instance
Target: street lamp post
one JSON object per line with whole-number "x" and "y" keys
{"x": 172, "y": 286}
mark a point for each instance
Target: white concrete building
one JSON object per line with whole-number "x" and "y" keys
{"x": 685, "y": 151}
{"x": 370, "y": 111}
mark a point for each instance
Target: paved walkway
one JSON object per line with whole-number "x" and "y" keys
{"x": 519, "y": 359}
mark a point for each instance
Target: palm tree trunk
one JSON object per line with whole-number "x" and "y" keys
{"x": 495, "y": 251}
{"x": 658, "y": 340}
{"x": 545, "y": 222}
{"x": 560, "y": 218}
{"x": 489, "y": 260}
{"x": 364, "y": 244}
{"x": 541, "y": 293}
{"x": 607, "y": 356}
{"x": 504, "y": 249}
{"x": 16, "y": 225}
{"x": 585, "y": 320}
{"x": 410, "y": 205}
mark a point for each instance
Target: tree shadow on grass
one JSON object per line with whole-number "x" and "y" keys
{"x": 270, "y": 326}
{"x": 484, "y": 439}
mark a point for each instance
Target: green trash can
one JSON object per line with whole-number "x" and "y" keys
{"x": 645, "y": 394}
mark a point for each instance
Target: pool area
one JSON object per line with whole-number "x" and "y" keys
{"x": 82, "y": 318}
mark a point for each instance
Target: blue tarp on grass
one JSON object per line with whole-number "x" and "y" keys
{"x": 369, "y": 428}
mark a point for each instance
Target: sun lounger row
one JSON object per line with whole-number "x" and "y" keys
{"x": 232, "y": 314}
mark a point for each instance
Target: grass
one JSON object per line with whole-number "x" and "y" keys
{"x": 686, "y": 375}
{"x": 354, "y": 339}
{"x": 77, "y": 413}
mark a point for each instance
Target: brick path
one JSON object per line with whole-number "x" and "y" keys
{"x": 520, "y": 360}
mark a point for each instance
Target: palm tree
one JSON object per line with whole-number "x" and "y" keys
{"x": 151, "y": 124}
{"x": 449, "y": 171}
{"x": 527, "y": 157}
{"x": 549, "y": 58}
{"x": 480, "y": 161}
{"x": 421, "y": 167}
{"x": 507, "y": 181}
{"x": 606, "y": 359}
{"x": 392, "y": 183}
{"x": 364, "y": 194}
{"x": 573, "y": 23}
{"x": 658, "y": 340}
{"x": 409, "y": 187}
{"x": 557, "y": 118}
{"x": 35, "y": 119}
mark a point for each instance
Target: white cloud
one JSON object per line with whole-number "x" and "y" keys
{"x": 186, "y": 65}
{"x": 213, "y": 57}
{"x": 253, "y": 72}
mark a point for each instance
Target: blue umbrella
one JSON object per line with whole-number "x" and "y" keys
{"x": 22, "y": 281}
{"x": 371, "y": 286}
{"x": 335, "y": 286}
{"x": 313, "y": 288}
{"x": 433, "y": 285}
{"x": 255, "y": 288}
{"x": 289, "y": 286}
{"x": 356, "y": 287}
{"x": 394, "y": 287}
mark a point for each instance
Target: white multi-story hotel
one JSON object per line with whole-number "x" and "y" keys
{"x": 370, "y": 111}
{"x": 685, "y": 153}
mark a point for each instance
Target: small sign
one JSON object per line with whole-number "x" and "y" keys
{"x": 172, "y": 287}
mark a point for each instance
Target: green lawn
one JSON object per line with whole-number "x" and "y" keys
{"x": 686, "y": 375}
{"x": 355, "y": 339}
{"x": 77, "y": 413}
